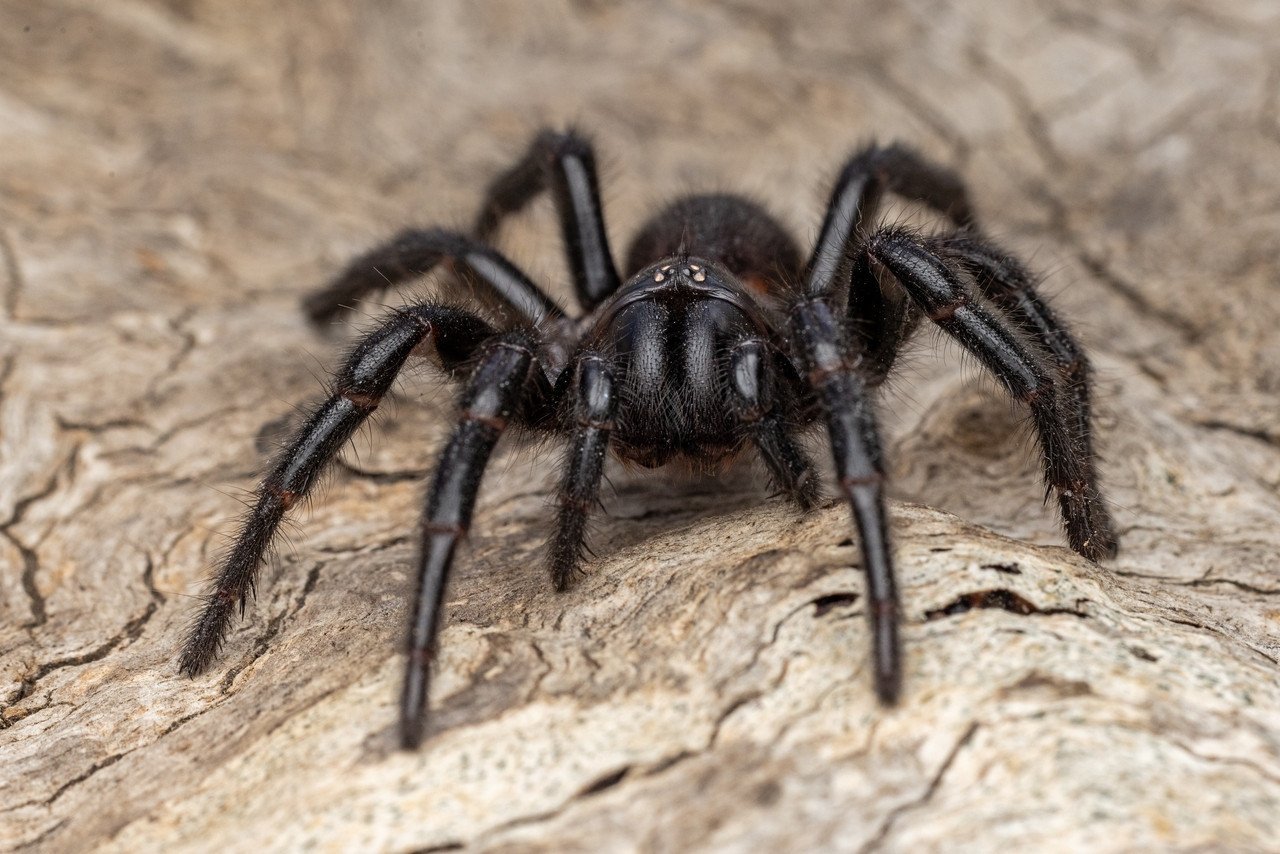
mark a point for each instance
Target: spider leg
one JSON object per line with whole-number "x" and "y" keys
{"x": 851, "y": 210}
{"x": 1010, "y": 286}
{"x": 825, "y": 352}
{"x": 595, "y": 403}
{"x": 752, "y": 400}
{"x": 414, "y": 252}
{"x": 940, "y": 292}
{"x": 506, "y": 372}
{"x": 565, "y": 163}
{"x": 357, "y": 389}
{"x": 881, "y": 322}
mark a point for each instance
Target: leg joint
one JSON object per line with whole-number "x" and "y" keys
{"x": 573, "y": 502}
{"x": 363, "y": 400}
{"x": 849, "y": 482}
{"x": 493, "y": 422}
{"x": 515, "y": 347}
{"x": 1036, "y": 394}
{"x": 603, "y": 425}
{"x": 1077, "y": 369}
{"x": 944, "y": 313}
{"x": 286, "y": 497}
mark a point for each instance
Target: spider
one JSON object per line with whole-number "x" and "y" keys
{"x": 721, "y": 337}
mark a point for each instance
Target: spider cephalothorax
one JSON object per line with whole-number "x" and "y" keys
{"x": 720, "y": 339}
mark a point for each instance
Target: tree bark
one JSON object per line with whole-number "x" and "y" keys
{"x": 175, "y": 176}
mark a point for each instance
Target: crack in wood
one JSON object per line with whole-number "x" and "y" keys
{"x": 132, "y": 631}
{"x": 82, "y": 228}
{"x": 30, "y": 557}
{"x": 878, "y": 839}
{"x": 274, "y": 626}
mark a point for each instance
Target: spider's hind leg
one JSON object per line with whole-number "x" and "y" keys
{"x": 1004, "y": 280}
{"x": 415, "y": 252}
{"x": 938, "y": 287}
{"x": 565, "y": 163}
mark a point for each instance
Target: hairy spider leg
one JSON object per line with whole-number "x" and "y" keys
{"x": 940, "y": 292}
{"x": 855, "y": 201}
{"x": 415, "y": 252}
{"x": 880, "y": 322}
{"x": 595, "y": 402}
{"x": 501, "y": 380}
{"x": 705, "y": 343}
{"x": 1012, "y": 288}
{"x": 751, "y": 373}
{"x": 826, "y": 355}
{"x": 882, "y": 325}
{"x": 565, "y": 163}
{"x": 358, "y": 387}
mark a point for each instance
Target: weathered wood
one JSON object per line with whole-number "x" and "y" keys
{"x": 175, "y": 176}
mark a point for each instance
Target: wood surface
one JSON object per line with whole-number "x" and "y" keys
{"x": 175, "y": 176}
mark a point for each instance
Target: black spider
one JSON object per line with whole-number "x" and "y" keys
{"x": 719, "y": 337}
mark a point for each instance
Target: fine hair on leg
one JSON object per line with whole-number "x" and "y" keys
{"x": 358, "y": 387}
{"x": 416, "y": 252}
{"x": 939, "y": 289}
{"x": 490, "y": 401}
{"x": 565, "y": 163}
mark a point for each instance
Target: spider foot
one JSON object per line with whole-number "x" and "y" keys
{"x": 564, "y": 575}
{"x": 807, "y": 492}
{"x": 1090, "y": 530}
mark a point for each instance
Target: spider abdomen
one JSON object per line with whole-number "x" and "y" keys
{"x": 738, "y": 233}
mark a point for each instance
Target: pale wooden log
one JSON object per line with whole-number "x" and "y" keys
{"x": 175, "y": 176}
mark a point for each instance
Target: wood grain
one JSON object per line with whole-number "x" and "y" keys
{"x": 175, "y": 176}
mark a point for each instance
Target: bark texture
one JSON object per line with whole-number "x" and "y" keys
{"x": 174, "y": 176}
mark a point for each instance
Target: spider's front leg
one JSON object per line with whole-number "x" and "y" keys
{"x": 504, "y": 378}
{"x": 826, "y": 354}
{"x": 752, "y": 398}
{"x": 357, "y": 389}
{"x": 595, "y": 403}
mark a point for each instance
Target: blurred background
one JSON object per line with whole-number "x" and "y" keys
{"x": 174, "y": 176}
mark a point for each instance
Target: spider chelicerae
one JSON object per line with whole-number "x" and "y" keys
{"x": 721, "y": 337}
